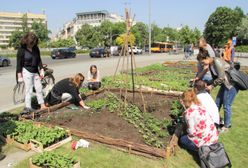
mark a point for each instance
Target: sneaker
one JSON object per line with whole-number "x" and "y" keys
{"x": 224, "y": 129}
{"x": 26, "y": 110}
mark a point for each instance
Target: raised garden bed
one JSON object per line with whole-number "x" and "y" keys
{"x": 26, "y": 135}
{"x": 141, "y": 124}
{"x": 53, "y": 160}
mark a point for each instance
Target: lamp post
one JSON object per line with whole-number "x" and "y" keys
{"x": 150, "y": 29}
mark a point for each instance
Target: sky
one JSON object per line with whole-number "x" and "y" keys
{"x": 172, "y": 13}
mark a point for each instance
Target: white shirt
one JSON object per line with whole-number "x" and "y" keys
{"x": 89, "y": 76}
{"x": 207, "y": 101}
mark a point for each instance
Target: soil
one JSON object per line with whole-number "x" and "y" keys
{"x": 105, "y": 123}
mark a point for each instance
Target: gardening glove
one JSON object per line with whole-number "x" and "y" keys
{"x": 42, "y": 73}
{"x": 86, "y": 107}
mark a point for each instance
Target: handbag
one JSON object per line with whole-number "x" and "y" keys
{"x": 214, "y": 156}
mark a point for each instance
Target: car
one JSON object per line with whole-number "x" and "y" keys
{"x": 4, "y": 61}
{"x": 98, "y": 52}
{"x": 136, "y": 50}
{"x": 63, "y": 53}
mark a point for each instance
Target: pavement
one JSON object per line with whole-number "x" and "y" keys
{"x": 68, "y": 67}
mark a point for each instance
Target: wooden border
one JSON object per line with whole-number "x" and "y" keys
{"x": 31, "y": 165}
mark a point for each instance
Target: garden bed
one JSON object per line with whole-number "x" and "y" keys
{"x": 142, "y": 123}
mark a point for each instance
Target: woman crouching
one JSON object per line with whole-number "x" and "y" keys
{"x": 200, "y": 126}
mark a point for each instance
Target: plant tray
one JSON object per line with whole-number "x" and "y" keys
{"x": 11, "y": 141}
{"x": 38, "y": 147}
{"x": 31, "y": 165}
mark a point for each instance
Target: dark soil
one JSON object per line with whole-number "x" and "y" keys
{"x": 105, "y": 123}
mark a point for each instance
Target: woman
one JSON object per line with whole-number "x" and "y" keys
{"x": 200, "y": 126}
{"x": 93, "y": 78}
{"x": 228, "y": 90}
{"x": 67, "y": 90}
{"x": 204, "y": 75}
{"x": 29, "y": 69}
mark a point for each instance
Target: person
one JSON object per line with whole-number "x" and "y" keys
{"x": 227, "y": 91}
{"x": 200, "y": 126}
{"x": 203, "y": 48}
{"x": 93, "y": 78}
{"x": 67, "y": 90}
{"x": 29, "y": 69}
{"x": 207, "y": 101}
{"x": 229, "y": 52}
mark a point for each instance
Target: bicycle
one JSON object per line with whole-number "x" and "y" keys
{"x": 47, "y": 83}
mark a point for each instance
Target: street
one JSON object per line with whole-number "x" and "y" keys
{"x": 68, "y": 67}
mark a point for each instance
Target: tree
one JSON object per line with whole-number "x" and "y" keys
{"x": 63, "y": 43}
{"x": 121, "y": 39}
{"x": 170, "y": 34}
{"x": 106, "y": 32}
{"x": 15, "y": 38}
{"x": 189, "y": 36}
{"x": 157, "y": 34}
{"x": 221, "y": 25}
{"x": 140, "y": 31}
{"x": 84, "y": 36}
{"x": 242, "y": 31}
{"x": 40, "y": 30}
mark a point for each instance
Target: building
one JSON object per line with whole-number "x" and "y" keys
{"x": 94, "y": 18}
{"x": 10, "y": 22}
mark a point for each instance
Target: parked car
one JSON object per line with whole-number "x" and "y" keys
{"x": 136, "y": 50}
{"x": 4, "y": 61}
{"x": 63, "y": 53}
{"x": 98, "y": 52}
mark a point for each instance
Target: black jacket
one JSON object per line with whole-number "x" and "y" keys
{"x": 20, "y": 58}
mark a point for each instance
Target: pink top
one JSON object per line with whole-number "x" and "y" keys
{"x": 201, "y": 129}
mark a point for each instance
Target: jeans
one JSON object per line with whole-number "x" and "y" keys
{"x": 32, "y": 80}
{"x": 188, "y": 144}
{"x": 208, "y": 79}
{"x": 226, "y": 97}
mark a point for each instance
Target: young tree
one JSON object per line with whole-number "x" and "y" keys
{"x": 121, "y": 39}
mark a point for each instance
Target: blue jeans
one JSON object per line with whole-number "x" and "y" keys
{"x": 226, "y": 97}
{"x": 208, "y": 79}
{"x": 188, "y": 144}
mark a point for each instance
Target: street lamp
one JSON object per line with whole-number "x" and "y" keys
{"x": 150, "y": 28}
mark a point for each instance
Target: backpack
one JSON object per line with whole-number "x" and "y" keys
{"x": 214, "y": 156}
{"x": 239, "y": 78}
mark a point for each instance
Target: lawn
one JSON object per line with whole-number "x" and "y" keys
{"x": 235, "y": 142}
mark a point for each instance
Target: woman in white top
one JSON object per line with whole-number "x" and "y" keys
{"x": 207, "y": 101}
{"x": 93, "y": 78}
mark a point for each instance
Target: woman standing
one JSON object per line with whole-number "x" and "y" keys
{"x": 227, "y": 91}
{"x": 200, "y": 126}
{"x": 30, "y": 69}
{"x": 93, "y": 78}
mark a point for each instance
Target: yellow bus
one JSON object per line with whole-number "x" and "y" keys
{"x": 161, "y": 47}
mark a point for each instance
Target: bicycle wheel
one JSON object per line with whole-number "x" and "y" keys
{"x": 19, "y": 93}
{"x": 47, "y": 84}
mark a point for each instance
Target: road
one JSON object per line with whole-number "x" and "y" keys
{"x": 68, "y": 67}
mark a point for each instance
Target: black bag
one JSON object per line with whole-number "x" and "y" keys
{"x": 94, "y": 85}
{"x": 214, "y": 156}
{"x": 239, "y": 78}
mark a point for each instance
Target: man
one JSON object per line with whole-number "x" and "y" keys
{"x": 207, "y": 101}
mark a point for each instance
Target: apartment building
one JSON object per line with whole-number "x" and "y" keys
{"x": 10, "y": 21}
{"x": 93, "y": 18}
